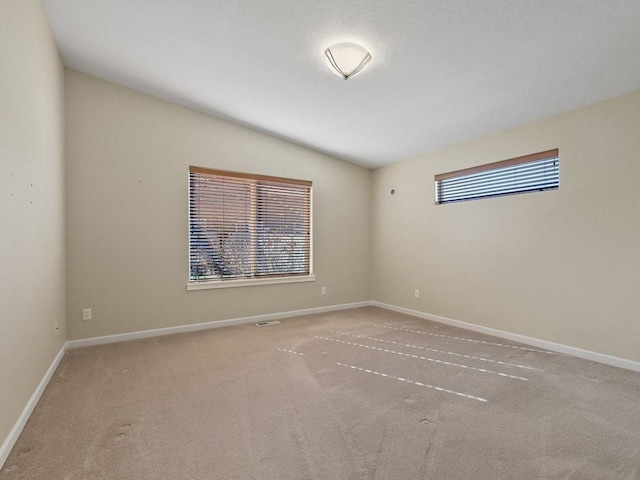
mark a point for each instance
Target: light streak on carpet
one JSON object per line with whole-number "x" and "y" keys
{"x": 290, "y": 351}
{"x": 467, "y": 339}
{"x": 413, "y": 382}
{"x": 506, "y": 364}
{"x": 434, "y": 360}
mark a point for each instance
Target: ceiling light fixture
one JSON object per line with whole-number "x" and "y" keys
{"x": 347, "y": 59}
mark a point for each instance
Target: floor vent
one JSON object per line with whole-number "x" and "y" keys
{"x": 270, "y": 322}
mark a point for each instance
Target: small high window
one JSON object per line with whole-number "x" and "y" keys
{"x": 247, "y": 227}
{"x": 531, "y": 173}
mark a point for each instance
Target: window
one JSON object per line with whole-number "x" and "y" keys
{"x": 247, "y": 227}
{"x": 531, "y": 173}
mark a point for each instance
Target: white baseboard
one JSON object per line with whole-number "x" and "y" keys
{"x": 15, "y": 432}
{"x": 157, "y": 332}
{"x": 536, "y": 342}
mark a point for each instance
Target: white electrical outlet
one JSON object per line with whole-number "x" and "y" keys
{"x": 416, "y": 293}
{"x": 324, "y": 290}
{"x": 86, "y": 314}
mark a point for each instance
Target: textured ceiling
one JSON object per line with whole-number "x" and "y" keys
{"x": 443, "y": 71}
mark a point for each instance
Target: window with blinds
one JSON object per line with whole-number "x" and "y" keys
{"x": 531, "y": 173}
{"x": 244, "y": 226}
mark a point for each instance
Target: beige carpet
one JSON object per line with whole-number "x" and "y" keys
{"x": 358, "y": 394}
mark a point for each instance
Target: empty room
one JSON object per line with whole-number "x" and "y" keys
{"x": 319, "y": 240}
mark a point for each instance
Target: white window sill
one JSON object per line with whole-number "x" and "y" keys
{"x": 249, "y": 282}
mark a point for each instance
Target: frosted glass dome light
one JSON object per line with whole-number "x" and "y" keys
{"x": 347, "y": 59}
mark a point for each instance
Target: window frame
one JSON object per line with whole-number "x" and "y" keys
{"x": 553, "y": 154}
{"x": 214, "y": 283}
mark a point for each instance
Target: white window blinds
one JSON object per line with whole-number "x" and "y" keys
{"x": 531, "y": 173}
{"x": 245, "y": 226}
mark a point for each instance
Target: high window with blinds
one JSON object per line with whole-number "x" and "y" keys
{"x": 244, "y": 226}
{"x": 531, "y": 173}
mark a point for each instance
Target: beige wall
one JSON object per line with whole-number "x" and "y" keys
{"x": 127, "y": 237}
{"x": 562, "y": 266}
{"x": 32, "y": 282}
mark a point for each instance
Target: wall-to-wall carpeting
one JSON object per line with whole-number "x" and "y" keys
{"x": 357, "y": 394}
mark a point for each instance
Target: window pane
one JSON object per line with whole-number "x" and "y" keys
{"x": 220, "y": 232}
{"x": 283, "y": 230}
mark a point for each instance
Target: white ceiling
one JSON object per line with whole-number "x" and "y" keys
{"x": 443, "y": 71}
